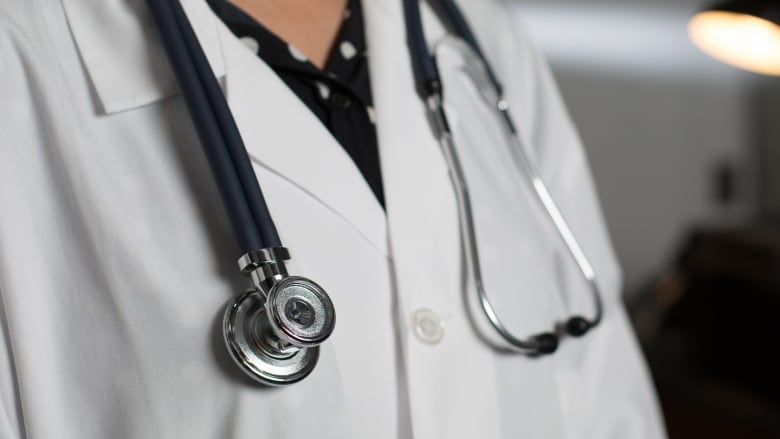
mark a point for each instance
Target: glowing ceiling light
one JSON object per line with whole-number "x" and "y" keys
{"x": 742, "y": 33}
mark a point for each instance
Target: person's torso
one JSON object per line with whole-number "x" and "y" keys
{"x": 116, "y": 258}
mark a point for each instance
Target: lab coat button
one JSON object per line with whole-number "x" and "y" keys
{"x": 427, "y": 326}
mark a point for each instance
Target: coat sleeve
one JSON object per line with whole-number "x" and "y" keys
{"x": 611, "y": 379}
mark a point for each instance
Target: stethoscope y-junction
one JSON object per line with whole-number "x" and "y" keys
{"x": 273, "y": 330}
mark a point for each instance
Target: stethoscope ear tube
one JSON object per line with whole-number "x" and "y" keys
{"x": 426, "y": 75}
{"x": 455, "y": 19}
{"x": 429, "y": 83}
{"x": 427, "y": 80}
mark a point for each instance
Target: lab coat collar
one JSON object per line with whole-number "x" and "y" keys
{"x": 280, "y": 133}
{"x": 122, "y": 54}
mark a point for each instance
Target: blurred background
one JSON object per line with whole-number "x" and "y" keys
{"x": 684, "y": 151}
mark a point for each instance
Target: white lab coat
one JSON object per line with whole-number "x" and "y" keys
{"x": 116, "y": 257}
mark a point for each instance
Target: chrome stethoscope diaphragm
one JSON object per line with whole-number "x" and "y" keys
{"x": 273, "y": 331}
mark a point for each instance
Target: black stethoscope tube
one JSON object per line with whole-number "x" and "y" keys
{"x": 426, "y": 73}
{"x": 233, "y": 140}
{"x": 457, "y": 21}
{"x": 216, "y": 128}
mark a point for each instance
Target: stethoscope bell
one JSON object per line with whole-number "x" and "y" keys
{"x": 273, "y": 331}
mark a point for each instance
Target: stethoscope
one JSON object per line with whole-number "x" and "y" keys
{"x": 274, "y": 329}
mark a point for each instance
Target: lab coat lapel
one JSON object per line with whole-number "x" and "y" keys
{"x": 279, "y": 131}
{"x": 284, "y": 136}
{"x": 418, "y": 194}
{"x": 424, "y": 241}
{"x": 414, "y": 176}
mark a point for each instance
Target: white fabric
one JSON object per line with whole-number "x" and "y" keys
{"x": 116, "y": 258}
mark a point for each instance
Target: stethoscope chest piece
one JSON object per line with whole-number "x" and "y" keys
{"x": 273, "y": 331}
{"x": 274, "y": 336}
{"x": 300, "y": 311}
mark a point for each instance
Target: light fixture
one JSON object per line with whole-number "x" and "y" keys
{"x": 743, "y": 33}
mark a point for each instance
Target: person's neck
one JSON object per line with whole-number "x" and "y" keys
{"x": 309, "y": 25}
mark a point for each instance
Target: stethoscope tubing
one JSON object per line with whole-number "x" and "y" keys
{"x": 220, "y": 138}
{"x": 468, "y": 229}
{"x": 428, "y": 84}
{"x": 233, "y": 141}
{"x": 455, "y": 19}
{"x": 426, "y": 74}
{"x": 240, "y": 190}
{"x": 554, "y": 213}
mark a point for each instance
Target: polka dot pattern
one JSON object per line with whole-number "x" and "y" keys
{"x": 297, "y": 54}
{"x": 250, "y": 43}
{"x": 323, "y": 89}
{"x": 347, "y": 50}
